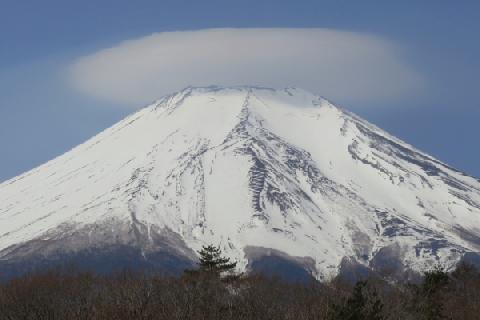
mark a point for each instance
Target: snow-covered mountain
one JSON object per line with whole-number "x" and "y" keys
{"x": 265, "y": 173}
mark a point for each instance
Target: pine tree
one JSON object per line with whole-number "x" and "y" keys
{"x": 212, "y": 261}
{"x": 427, "y": 300}
{"x": 361, "y": 305}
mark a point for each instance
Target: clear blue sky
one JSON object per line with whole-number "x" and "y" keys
{"x": 41, "y": 117}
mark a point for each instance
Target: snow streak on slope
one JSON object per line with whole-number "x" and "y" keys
{"x": 254, "y": 169}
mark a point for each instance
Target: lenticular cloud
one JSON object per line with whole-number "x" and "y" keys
{"x": 346, "y": 66}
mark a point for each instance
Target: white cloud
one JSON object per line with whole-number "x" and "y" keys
{"x": 348, "y": 67}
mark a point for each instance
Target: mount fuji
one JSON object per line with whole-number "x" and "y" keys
{"x": 277, "y": 178}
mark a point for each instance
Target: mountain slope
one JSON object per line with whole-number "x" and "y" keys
{"x": 262, "y": 172}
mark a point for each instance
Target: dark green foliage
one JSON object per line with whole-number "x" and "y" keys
{"x": 212, "y": 263}
{"x": 434, "y": 281}
{"x": 211, "y": 260}
{"x": 363, "y": 304}
{"x": 427, "y": 298}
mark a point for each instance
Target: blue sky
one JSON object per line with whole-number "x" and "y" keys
{"x": 42, "y": 115}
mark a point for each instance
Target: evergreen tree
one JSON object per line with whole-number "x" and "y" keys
{"x": 212, "y": 261}
{"x": 427, "y": 299}
{"x": 361, "y": 305}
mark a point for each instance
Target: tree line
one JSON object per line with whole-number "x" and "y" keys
{"x": 215, "y": 291}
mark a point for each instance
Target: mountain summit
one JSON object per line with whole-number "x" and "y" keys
{"x": 273, "y": 176}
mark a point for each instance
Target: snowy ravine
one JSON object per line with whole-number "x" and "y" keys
{"x": 261, "y": 172}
